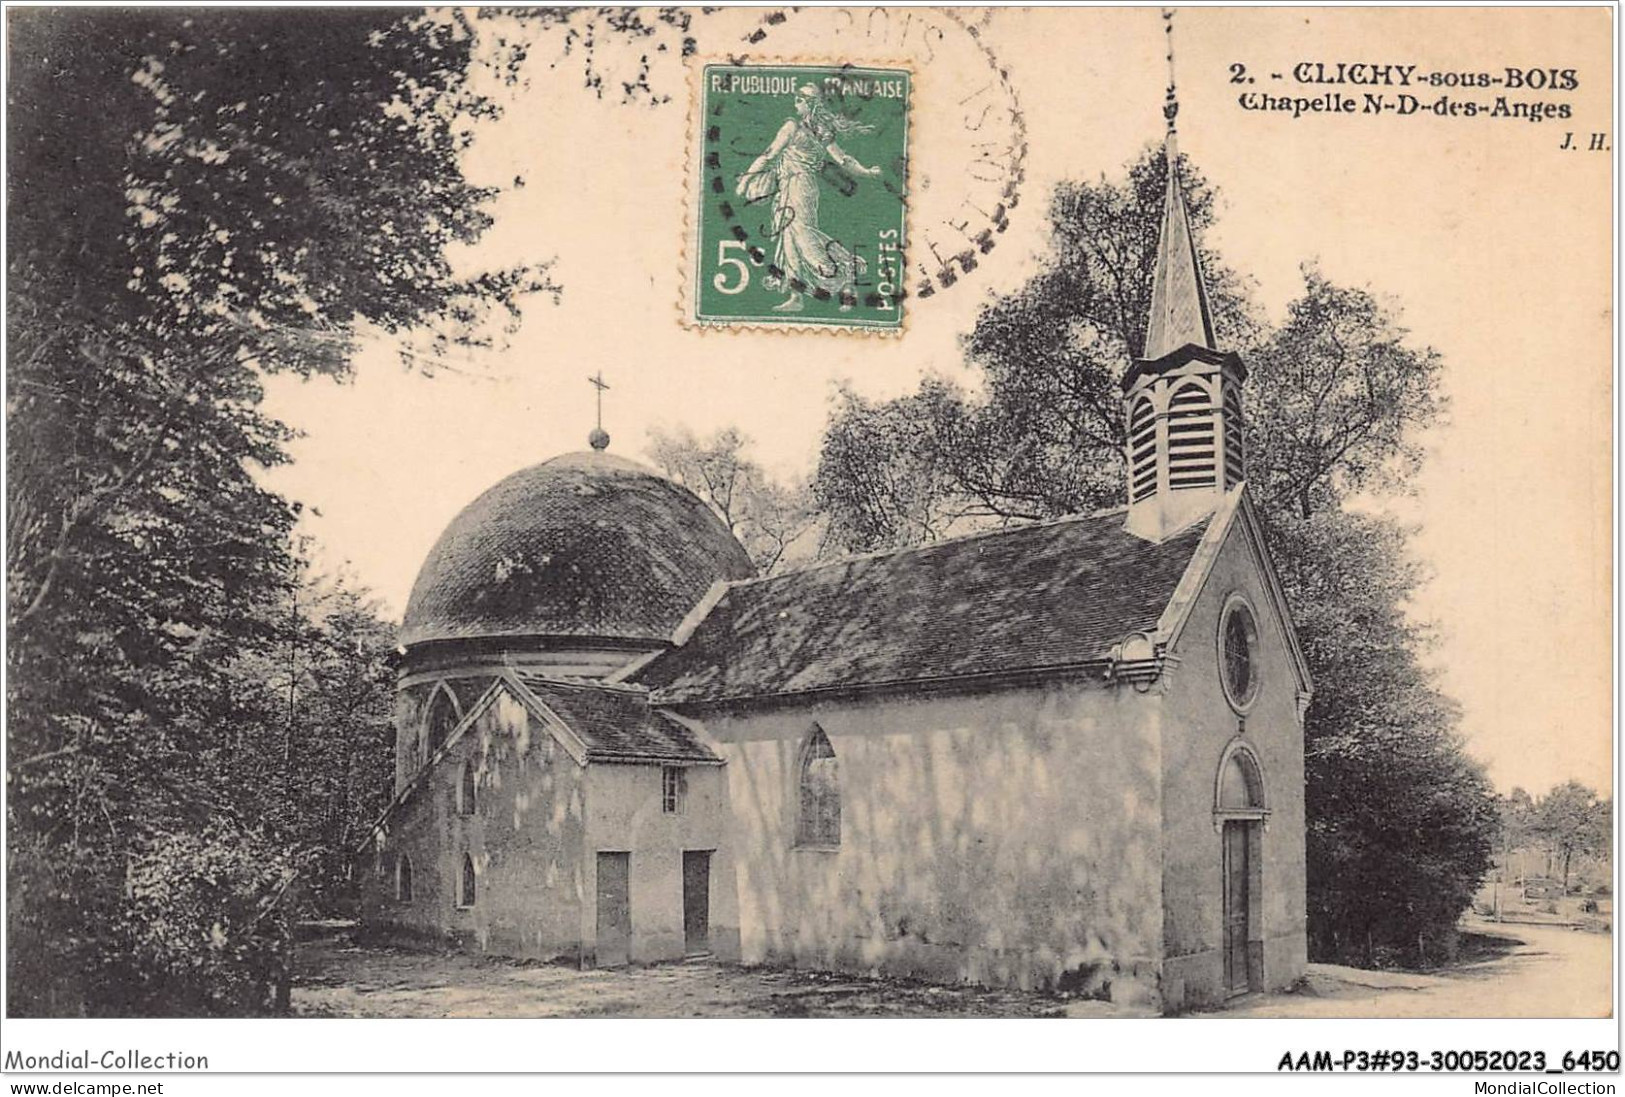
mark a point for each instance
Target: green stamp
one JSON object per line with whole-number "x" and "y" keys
{"x": 799, "y": 219}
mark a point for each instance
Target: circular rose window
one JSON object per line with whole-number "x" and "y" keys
{"x": 1238, "y": 653}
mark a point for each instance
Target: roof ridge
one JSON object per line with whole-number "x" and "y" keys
{"x": 1063, "y": 593}
{"x": 569, "y": 682}
{"x": 904, "y": 550}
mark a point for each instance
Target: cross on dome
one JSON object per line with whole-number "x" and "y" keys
{"x": 599, "y": 438}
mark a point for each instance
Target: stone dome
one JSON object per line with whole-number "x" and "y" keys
{"x": 584, "y": 546}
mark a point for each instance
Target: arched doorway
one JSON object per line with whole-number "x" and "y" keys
{"x": 1239, "y": 814}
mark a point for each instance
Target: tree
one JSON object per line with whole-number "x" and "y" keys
{"x": 1046, "y": 436}
{"x": 1400, "y": 819}
{"x": 1571, "y": 820}
{"x": 776, "y": 523}
{"x": 884, "y": 476}
{"x": 1401, "y": 822}
{"x": 1337, "y": 401}
{"x": 310, "y": 753}
{"x": 1517, "y": 810}
{"x": 196, "y": 198}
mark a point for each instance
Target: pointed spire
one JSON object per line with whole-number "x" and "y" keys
{"x": 1179, "y": 307}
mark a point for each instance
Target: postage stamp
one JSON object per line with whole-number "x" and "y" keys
{"x": 801, "y": 196}
{"x": 967, "y": 145}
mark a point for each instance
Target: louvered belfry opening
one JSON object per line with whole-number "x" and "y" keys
{"x": 1185, "y": 437}
{"x": 1142, "y": 444}
{"x": 1192, "y": 447}
{"x": 1235, "y": 463}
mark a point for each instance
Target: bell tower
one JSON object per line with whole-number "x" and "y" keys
{"x": 1182, "y": 398}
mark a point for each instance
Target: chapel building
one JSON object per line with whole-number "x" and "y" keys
{"x": 1066, "y": 754}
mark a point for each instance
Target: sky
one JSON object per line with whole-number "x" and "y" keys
{"x": 1492, "y": 240}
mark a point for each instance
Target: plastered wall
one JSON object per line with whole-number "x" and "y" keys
{"x": 1199, "y": 722}
{"x": 527, "y": 838}
{"x": 1008, "y": 838}
{"x": 625, "y": 812}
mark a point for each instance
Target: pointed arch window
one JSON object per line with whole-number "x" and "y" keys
{"x": 1142, "y": 449}
{"x": 1192, "y": 450}
{"x": 466, "y": 892}
{"x": 819, "y": 822}
{"x": 403, "y": 878}
{"x": 441, "y": 718}
{"x": 466, "y": 789}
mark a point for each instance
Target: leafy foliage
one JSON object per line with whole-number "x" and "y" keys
{"x": 206, "y": 930}
{"x": 1517, "y": 810}
{"x": 1337, "y": 399}
{"x": 885, "y": 473}
{"x": 197, "y": 198}
{"x": 310, "y": 750}
{"x": 776, "y": 523}
{"x": 643, "y": 62}
{"x": 1400, "y": 819}
{"x": 1046, "y": 436}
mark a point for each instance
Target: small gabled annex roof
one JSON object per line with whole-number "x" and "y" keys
{"x": 594, "y": 722}
{"x": 1037, "y": 598}
{"x": 616, "y": 722}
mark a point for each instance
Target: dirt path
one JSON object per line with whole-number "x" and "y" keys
{"x": 1548, "y": 971}
{"x": 1541, "y": 971}
{"x": 337, "y": 979}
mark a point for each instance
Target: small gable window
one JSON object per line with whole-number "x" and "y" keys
{"x": 466, "y": 789}
{"x": 673, "y": 789}
{"x": 819, "y": 824}
{"x": 465, "y": 894}
{"x": 403, "y": 878}
{"x": 441, "y": 719}
{"x": 1238, "y": 652}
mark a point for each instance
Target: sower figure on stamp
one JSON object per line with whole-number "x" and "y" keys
{"x": 788, "y": 173}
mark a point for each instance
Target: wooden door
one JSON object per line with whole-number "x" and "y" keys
{"x": 1237, "y": 906}
{"x": 696, "y": 901}
{"x": 614, "y": 909}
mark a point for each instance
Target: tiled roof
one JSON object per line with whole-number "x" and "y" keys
{"x": 1029, "y": 598}
{"x": 616, "y": 722}
{"x": 584, "y": 545}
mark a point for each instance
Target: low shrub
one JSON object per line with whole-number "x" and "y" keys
{"x": 207, "y": 926}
